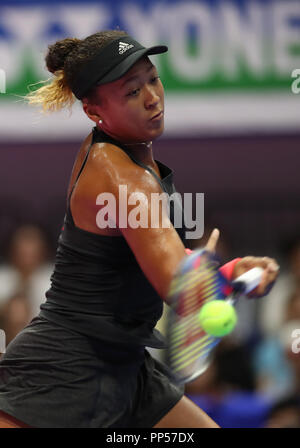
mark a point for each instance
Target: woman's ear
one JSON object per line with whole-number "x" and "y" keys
{"x": 91, "y": 111}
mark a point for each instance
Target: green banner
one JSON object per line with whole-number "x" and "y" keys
{"x": 216, "y": 47}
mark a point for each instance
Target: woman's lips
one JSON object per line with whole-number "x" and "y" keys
{"x": 157, "y": 116}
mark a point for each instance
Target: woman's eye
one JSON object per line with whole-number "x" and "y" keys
{"x": 133, "y": 92}
{"x": 154, "y": 79}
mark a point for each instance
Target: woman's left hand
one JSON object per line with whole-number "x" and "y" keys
{"x": 271, "y": 271}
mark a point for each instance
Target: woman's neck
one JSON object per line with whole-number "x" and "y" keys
{"x": 141, "y": 151}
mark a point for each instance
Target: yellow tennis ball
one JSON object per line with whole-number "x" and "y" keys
{"x": 217, "y": 318}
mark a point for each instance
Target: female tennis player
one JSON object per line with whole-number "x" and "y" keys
{"x": 82, "y": 361}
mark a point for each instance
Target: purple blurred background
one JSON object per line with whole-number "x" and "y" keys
{"x": 251, "y": 185}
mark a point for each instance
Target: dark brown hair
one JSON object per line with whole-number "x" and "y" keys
{"x": 64, "y": 60}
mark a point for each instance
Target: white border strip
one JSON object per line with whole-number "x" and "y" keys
{"x": 186, "y": 115}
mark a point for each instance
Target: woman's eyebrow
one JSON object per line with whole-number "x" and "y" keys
{"x": 133, "y": 77}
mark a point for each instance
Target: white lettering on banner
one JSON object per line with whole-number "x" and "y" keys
{"x": 2, "y": 81}
{"x": 261, "y": 34}
{"x": 82, "y": 21}
{"x": 224, "y": 35}
{"x": 191, "y": 67}
{"x": 74, "y": 20}
{"x": 146, "y": 26}
{"x": 26, "y": 23}
{"x": 285, "y": 35}
{"x": 11, "y": 55}
{"x": 140, "y": 23}
{"x": 296, "y": 83}
{"x": 29, "y": 26}
{"x": 242, "y": 37}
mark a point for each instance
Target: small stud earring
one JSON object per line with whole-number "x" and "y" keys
{"x": 100, "y": 121}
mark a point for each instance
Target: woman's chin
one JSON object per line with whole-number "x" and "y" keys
{"x": 157, "y": 132}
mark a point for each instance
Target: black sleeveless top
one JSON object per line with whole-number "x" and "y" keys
{"x": 97, "y": 287}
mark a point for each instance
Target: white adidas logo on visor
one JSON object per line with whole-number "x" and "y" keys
{"x": 124, "y": 47}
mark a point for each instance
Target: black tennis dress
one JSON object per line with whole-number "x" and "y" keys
{"x": 82, "y": 361}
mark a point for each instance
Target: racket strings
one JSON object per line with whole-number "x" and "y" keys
{"x": 194, "y": 288}
{"x": 197, "y": 283}
{"x": 187, "y": 337}
{"x": 192, "y": 355}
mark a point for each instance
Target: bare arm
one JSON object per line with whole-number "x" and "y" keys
{"x": 158, "y": 250}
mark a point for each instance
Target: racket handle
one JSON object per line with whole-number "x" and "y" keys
{"x": 249, "y": 280}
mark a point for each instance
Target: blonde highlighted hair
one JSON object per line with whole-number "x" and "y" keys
{"x": 64, "y": 59}
{"x": 53, "y": 96}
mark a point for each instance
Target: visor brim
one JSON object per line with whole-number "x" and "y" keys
{"x": 124, "y": 66}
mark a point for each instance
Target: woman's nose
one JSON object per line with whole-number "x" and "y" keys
{"x": 152, "y": 97}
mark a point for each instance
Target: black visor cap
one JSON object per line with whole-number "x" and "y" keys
{"x": 124, "y": 66}
{"x": 111, "y": 63}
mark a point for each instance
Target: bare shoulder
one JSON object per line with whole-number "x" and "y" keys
{"x": 108, "y": 156}
{"x": 117, "y": 168}
{"x": 108, "y": 167}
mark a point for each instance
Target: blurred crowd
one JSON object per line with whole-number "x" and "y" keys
{"x": 24, "y": 277}
{"x": 254, "y": 378}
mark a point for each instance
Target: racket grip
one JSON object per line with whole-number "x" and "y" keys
{"x": 249, "y": 280}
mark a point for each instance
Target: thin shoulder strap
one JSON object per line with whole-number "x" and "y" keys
{"x": 148, "y": 169}
{"x": 82, "y": 166}
{"x": 68, "y": 215}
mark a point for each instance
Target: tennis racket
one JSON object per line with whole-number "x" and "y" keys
{"x": 197, "y": 282}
